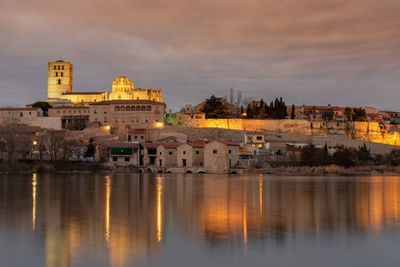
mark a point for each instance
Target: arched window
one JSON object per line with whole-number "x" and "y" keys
{"x": 148, "y": 108}
{"x": 128, "y": 108}
{"x": 58, "y": 67}
{"x": 59, "y": 81}
{"x": 143, "y": 108}
{"x": 117, "y": 108}
{"x": 55, "y": 67}
{"x": 133, "y": 108}
{"x": 122, "y": 108}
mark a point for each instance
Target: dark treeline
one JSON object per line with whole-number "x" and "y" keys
{"x": 260, "y": 110}
{"x": 346, "y": 156}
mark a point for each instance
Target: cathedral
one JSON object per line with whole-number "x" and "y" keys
{"x": 60, "y": 88}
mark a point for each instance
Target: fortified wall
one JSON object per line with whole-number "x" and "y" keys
{"x": 366, "y": 131}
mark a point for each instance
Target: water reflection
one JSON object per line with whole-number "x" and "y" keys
{"x": 125, "y": 219}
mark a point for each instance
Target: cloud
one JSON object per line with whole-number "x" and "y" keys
{"x": 311, "y": 51}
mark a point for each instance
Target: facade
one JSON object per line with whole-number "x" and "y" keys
{"x": 184, "y": 156}
{"x": 254, "y": 139}
{"x": 128, "y": 113}
{"x": 166, "y": 155}
{"x": 60, "y": 88}
{"x": 220, "y": 157}
{"x": 72, "y": 118}
{"x": 19, "y": 115}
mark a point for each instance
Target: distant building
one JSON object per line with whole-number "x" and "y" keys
{"x": 60, "y": 88}
{"x": 128, "y": 113}
{"x": 72, "y": 118}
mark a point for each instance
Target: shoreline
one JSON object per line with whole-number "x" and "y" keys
{"x": 94, "y": 167}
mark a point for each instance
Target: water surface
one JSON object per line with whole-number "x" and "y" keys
{"x": 199, "y": 220}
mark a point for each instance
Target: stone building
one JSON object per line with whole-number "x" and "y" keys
{"x": 60, "y": 88}
{"x": 221, "y": 157}
{"x": 166, "y": 155}
{"x": 128, "y": 113}
{"x": 19, "y": 115}
{"x": 184, "y": 156}
{"x": 72, "y": 118}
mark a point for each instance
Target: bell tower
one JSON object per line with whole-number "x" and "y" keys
{"x": 59, "y": 79}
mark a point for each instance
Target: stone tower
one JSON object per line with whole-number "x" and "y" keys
{"x": 60, "y": 79}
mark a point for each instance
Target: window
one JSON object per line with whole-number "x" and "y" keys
{"x": 230, "y": 151}
{"x": 160, "y": 162}
{"x": 62, "y": 74}
{"x": 160, "y": 153}
{"x": 184, "y": 162}
{"x": 259, "y": 138}
{"x": 197, "y": 152}
{"x": 143, "y": 108}
{"x": 129, "y": 137}
{"x": 62, "y": 67}
{"x": 30, "y": 113}
{"x": 135, "y": 137}
{"x": 55, "y": 67}
{"x": 21, "y": 114}
{"x": 58, "y": 67}
{"x": 116, "y": 108}
{"x": 215, "y": 151}
{"x": 148, "y": 108}
{"x": 142, "y": 137}
{"x": 201, "y": 163}
{"x": 126, "y": 159}
{"x": 114, "y": 159}
{"x": 184, "y": 152}
{"x": 170, "y": 153}
{"x": 59, "y": 81}
{"x": 56, "y": 74}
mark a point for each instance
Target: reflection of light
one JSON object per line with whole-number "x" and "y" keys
{"x": 245, "y": 216}
{"x": 34, "y": 183}
{"x": 159, "y": 208}
{"x": 260, "y": 191}
{"x": 107, "y": 208}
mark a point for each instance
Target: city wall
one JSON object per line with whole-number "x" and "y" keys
{"x": 366, "y": 131}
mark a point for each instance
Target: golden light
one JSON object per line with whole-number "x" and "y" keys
{"x": 107, "y": 128}
{"x": 159, "y": 125}
{"x": 244, "y": 114}
{"x": 34, "y": 143}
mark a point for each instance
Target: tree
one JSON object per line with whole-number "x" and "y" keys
{"x": 43, "y": 105}
{"x": 326, "y": 158}
{"x": 249, "y": 112}
{"x": 292, "y": 115}
{"x": 344, "y": 156}
{"x": 363, "y": 153}
{"x": 214, "y": 107}
{"x": 309, "y": 155}
{"x": 348, "y": 113}
{"x": 359, "y": 114}
{"x": 90, "y": 149}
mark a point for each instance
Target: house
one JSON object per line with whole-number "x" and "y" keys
{"x": 221, "y": 156}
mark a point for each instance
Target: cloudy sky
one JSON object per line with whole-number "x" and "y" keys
{"x": 336, "y": 52}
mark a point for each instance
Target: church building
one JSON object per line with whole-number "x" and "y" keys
{"x": 60, "y": 88}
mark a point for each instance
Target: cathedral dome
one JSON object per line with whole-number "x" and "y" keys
{"x": 123, "y": 84}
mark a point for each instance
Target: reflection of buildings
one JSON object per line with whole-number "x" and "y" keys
{"x": 122, "y": 217}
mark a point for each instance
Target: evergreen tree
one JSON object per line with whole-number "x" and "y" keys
{"x": 214, "y": 107}
{"x": 292, "y": 115}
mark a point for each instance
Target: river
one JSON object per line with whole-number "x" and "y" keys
{"x": 198, "y": 220}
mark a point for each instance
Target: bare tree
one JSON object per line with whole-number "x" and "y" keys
{"x": 238, "y": 98}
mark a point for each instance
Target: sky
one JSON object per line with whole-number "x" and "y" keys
{"x": 336, "y": 52}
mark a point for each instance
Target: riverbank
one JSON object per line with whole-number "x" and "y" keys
{"x": 331, "y": 170}
{"x": 94, "y": 167}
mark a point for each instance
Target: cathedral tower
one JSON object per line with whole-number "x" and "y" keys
{"x": 59, "y": 79}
